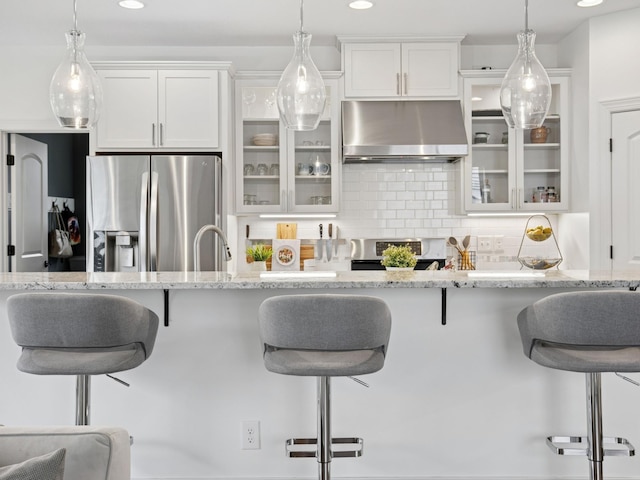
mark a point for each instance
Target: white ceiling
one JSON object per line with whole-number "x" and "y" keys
{"x": 271, "y": 22}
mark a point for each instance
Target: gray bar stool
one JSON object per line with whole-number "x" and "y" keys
{"x": 589, "y": 332}
{"x": 82, "y": 335}
{"x": 324, "y": 336}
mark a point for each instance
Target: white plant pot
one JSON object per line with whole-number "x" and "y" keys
{"x": 399, "y": 269}
{"x": 258, "y": 266}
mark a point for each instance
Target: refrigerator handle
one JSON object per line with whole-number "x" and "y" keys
{"x": 153, "y": 224}
{"x": 142, "y": 235}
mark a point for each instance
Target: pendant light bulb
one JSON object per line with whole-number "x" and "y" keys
{"x": 525, "y": 94}
{"x": 75, "y": 92}
{"x": 301, "y": 92}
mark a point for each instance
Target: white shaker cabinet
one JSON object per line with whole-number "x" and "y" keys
{"x": 511, "y": 169}
{"x": 401, "y": 69}
{"x": 159, "y": 109}
{"x": 280, "y": 170}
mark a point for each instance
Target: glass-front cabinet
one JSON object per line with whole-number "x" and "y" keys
{"x": 510, "y": 169}
{"x": 280, "y": 170}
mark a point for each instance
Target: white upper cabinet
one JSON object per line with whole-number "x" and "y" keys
{"x": 159, "y": 109}
{"x": 280, "y": 170}
{"x": 401, "y": 69}
{"x": 510, "y": 169}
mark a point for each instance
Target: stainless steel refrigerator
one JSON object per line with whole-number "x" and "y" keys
{"x": 143, "y": 212}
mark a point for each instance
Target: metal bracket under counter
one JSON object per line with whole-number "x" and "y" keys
{"x": 166, "y": 307}
{"x": 443, "y": 311}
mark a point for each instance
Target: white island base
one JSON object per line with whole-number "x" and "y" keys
{"x": 459, "y": 401}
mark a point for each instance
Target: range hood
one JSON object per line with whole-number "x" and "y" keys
{"x": 403, "y": 131}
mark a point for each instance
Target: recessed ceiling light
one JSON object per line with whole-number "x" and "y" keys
{"x": 589, "y": 3}
{"x": 361, "y": 4}
{"x": 132, "y": 4}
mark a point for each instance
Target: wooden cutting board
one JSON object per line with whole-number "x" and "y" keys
{"x": 286, "y": 231}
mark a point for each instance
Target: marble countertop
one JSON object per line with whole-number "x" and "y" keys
{"x": 318, "y": 280}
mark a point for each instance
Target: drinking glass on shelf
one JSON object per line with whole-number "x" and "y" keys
{"x": 248, "y": 169}
{"x": 262, "y": 169}
{"x": 274, "y": 169}
{"x": 249, "y": 199}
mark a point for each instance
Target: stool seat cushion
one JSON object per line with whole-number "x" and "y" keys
{"x": 587, "y": 360}
{"x": 324, "y": 335}
{"x": 323, "y": 364}
{"x": 591, "y": 332}
{"x": 76, "y": 334}
{"x": 41, "y": 361}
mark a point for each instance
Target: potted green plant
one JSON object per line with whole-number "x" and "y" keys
{"x": 259, "y": 255}
{"x": 398, "y": 257}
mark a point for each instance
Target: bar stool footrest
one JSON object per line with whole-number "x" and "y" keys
{"x": 569, "y": 445}
{"x": 292, "y": 452}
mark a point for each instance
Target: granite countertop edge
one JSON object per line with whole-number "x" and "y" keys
{"x": 342, "y": 280}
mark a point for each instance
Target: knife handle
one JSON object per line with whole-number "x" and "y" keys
{"x": 320, "y": 230}
{"x": 331, "y": 230}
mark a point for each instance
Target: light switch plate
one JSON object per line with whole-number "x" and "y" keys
{"x": 485, "y": 244}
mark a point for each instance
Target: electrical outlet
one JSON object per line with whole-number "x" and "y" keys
{"x": 485, "y": 244}
{"x": 498, "y": 243}
{"x": 251, "y": 435}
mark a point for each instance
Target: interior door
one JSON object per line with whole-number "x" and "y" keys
{"x": 28, "y": 205}
{"x": 625, "y": 193}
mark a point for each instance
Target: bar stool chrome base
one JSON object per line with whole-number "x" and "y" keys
{"x": 304, "y": 453}
{"x": 596, "y": 445}
{"x": 562, "y": 445}
{"x": 324, "y": 442}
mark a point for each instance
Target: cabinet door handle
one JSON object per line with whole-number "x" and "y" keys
{"x": 161, "y": 135}
{"x": 406, "y": 84}
{"x": 513, "y": 198}
{"x": 153, "y": 134}
{"x": 283, "y": 198}
{"x": 520, "y": 197}
{"x": 290, "y": 204}
{"x": 398, "y": 87}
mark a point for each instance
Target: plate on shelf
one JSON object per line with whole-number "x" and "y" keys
{"x": 264, "y": 140}
{"x": 285, "y": 255}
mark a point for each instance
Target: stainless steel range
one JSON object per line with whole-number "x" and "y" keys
{"x": 366, "y": 253}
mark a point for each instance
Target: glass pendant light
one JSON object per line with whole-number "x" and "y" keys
{"x": 75, "y": 92}
{"x": 301, "y": 93}
{"x": 525, "y": 95}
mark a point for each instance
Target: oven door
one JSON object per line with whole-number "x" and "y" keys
{"x": 374, "y": 264}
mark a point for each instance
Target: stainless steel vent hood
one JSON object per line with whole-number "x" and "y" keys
{"x": 403, "y": 131}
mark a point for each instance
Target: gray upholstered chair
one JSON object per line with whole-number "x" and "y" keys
{"x": 590, "y": 332}
{"x": 324, "y": 336}
{"x": 82, "y": 335}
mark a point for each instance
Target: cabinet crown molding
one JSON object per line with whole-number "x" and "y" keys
{"x": 164, "y": 65}
{"x": 275, "y": 75}
{"x": 342, "y": 39}
{"x": 500, "y": 72}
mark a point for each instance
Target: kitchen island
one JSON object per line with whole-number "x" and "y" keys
{"x": 456, "y": 401}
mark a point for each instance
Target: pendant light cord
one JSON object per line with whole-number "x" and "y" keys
{"x": 301, "y": 16}
{"x": 526, "y": 15}
{"x": 75, "y": 16}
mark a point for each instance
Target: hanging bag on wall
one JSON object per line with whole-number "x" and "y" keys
{"x": 59, "y": 243}
{"x": 73, "y": 226}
